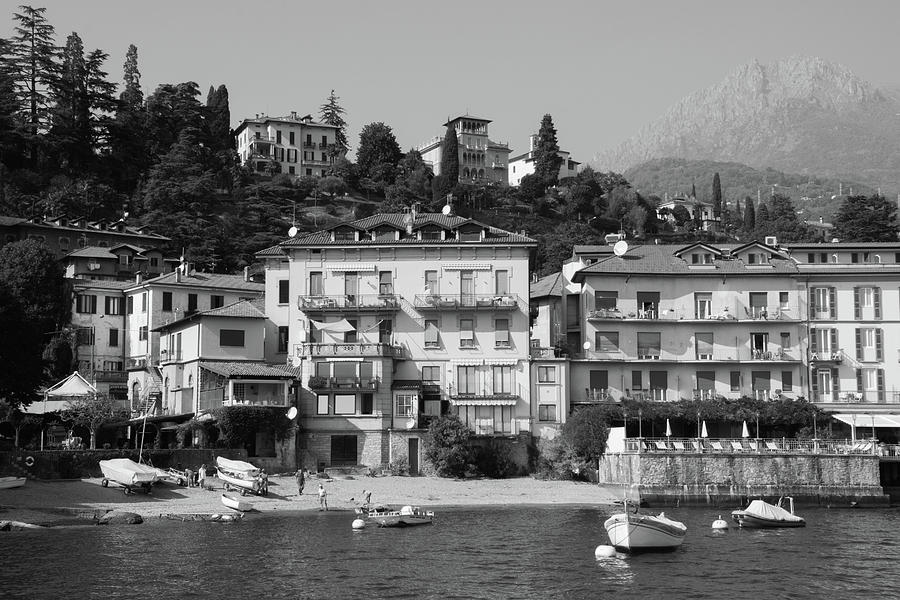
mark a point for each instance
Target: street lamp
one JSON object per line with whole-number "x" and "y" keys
{"x": 640, "y": 423}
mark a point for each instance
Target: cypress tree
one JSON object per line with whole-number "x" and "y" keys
{"x": 547, "y": 160}
{"x": 449, "y": 175}
{"x": 332, "y": 113}
{"x": 717, "y": 196}
{"x": 749, "y": 216}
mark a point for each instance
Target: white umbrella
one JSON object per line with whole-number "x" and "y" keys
{"x": 703, "y": 431}
{"x": 745, "y": 433}
{"x": 668, "y": 429}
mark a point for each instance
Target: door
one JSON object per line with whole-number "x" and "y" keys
{"x": 351, "y": 284}
{"x": 467, "y": 288}
{"x": 343, "y": 450}
{"x": 413, "y": 456}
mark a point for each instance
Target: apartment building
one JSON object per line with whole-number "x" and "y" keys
{"x": 480, "y": 159}
{"x": 523, "y": 164}
{"x": 121, "y": 262}
{"x": 395, "y": 319}
{"x": 299, "y": 146}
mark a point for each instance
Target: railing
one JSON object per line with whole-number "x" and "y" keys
{"x": 349, "y": 349}
{"x": 831, "y": 357}
{"x": 210, "y": 399}
{"x": 593, "y": 395}
{"x": 660, "y": 312}
{"x": 467, "y": 301}
{"x": 135, "y": 363}
{"x": 750, "y": 446}
{"x": 349, "y": 302}
{"x": 112, "y": 376}
{"x": 166, "y": 356}
{"x": 349, "y": 383}
{"x": 544, "y": 352}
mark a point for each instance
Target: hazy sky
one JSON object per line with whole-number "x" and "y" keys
{"x": 602, "y": 69}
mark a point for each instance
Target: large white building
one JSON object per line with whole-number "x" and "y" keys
{"x": 480, "y": 159}
{"x": 299, "y": 146}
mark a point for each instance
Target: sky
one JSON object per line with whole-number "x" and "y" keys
{"x": 601, "y": 69}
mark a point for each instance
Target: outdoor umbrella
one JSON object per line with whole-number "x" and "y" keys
{"x": 668, "y": 429}
{"x": 745, "y": 433}
{"x": 703, "y": 431}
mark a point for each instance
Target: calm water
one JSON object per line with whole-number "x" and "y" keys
{"x": 468, "y": 553}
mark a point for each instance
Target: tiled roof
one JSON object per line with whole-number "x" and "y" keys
{"x": 10, "y": 220}
{"x": 551, "y": 285}
{"x": 271, "y": 251}
{"x": 825, "y": 246}
{"x": 254, "y": 309}
{"x": 253, "y": 370}
{"x": 83, "y": 284}
{"x": 92, "y": 252}
{"x": 207, "y": 280}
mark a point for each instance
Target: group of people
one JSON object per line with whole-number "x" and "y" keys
{"x": 301, "y": 475}
{"x": 195, "y": 478}
{"x": 262, "y": 483}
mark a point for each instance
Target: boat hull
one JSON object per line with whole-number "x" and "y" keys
{"x": 128, "y": 473}
{"x": 8, "y": 483}
{"x": 238, "y": 474}
{"x": 755, "y": 522}
{"x": 236, "y": 504}
{"x": 762, "y": 515}
{"x": 637, "y": 533}
{"x": 405, "y": 517}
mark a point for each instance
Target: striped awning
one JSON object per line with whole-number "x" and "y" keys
{"x": 484, "y": 400}
{"x": 472, "y": 362}
{"x": 467, "y": 267}
{"x": 502, "y": 362}
{"x": 349, "y": 266}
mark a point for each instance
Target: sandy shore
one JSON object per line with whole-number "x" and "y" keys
{"x": 44, "y": 502}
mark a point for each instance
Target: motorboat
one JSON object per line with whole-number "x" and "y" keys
{"x": 761, "y": 514}
{"x": 236, "y": 503}
{"x": 405, "y": 517}
{"x": 633, "y": 532}
{"x": 8, "y": 483}
{"x": 130, "y": 475}
{"x": 238, "y": 475}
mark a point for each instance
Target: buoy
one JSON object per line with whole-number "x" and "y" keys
{"x": 603, "y": 551}
{"x": 29, "y": 461}
{"x": 358, "y": 524}
{"x": 720, "y": 523}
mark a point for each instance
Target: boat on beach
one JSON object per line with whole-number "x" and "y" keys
{"x": 238, "y": 475}
{"x": 236, "y": 503}
{"x": 8, "y": 483}
{"x": 760, "y": 514}
{"x": 633, "y": 532}
{"x": 128, "y": 474}
{"x": 405, "y": 517}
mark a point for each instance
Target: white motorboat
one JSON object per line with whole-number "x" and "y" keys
{"x": 760, "y": 514}
{"x": 129, "y": 474}
{"x": 405, "y": 517}
{"x": 238, "y": 475}
{"x": 636, "y": 533}
{"x": 8, "y": 483}
{"x": 236, "y": 503}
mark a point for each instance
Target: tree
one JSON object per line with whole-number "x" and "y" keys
{"x": 333, "y": 114}
{"x": 447, "y": 446}
{"x": 92, "y": 412}
{"x": 449, "y": 176}
{"x": 378, "y": 153}
{"x": 217, "y": 121}
{"x": 866, "y": 219}
{"x": 10, "y": 134}
{"x": 749, "y": 216}
{"x": 681, "y": 215}
{"x": 585, "y": 433}
{"x": 129, "y": 145}
{"x": 171, "y": 109}
{"x": 30, "y": 272}
{"x": 547, "y": 160}
{"x": 717, "y": 196}
{"x": 21, "y": 366}
{"x": 783, "y": 221}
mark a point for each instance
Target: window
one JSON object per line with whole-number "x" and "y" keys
{"x": 706, "y": 380}
{"x": 637, "y": 380}
{"x": 125, "y": 260}
{"x": 324, "y": 140}
{"x": 291, "y": 138}
{"x": 283, "y": 338}
{"x": 605, "y": 300}
{"x": 144, "y": 302}
{"x": 547, "y": 412}
{"x": 231, "y": 337}
{"x": 64, "y": 243}
{"x": 810, "y": 257}
{"x": 546, "y": 374}
{"x": 467, "y": 379}
{"x": 350, "y": 337}
{"x": 293, "y": 170}
{"x": 130, "y": 303}
{"x": 822, "y": 301}
{"x": 142, "y": 333}
{"x": 315, "y": 283}
{"x": 702, "y": 305}
{"x": 385, "y": 283}
{"x": 112, "y": 365}
{"x": 735, "y": 381}
{"x": 86, "y": 304}
{"x": 284, "y": 290}
{"x": 238, "y": 392}
{"x": 405, "y": 405}
{"x": 606, "y": 341}
{"x": 386, "y": 331}
{"x": 216, "y": 301}
{"x": 501, "y": 282}
{"x": 113, "y": 337}
{"x": 431, "y": 374}
{"x": 431, "y": 282}
{"x": 321, "y": 404}
{"x": 466, "y": 333}
{"x": 344, "y": 404}
{"x": 648, "y": 345}
{"x": 84, "y": 337}
{"x": 432, "y": 334}
{"x": 867, "y": 297}
{"x": 192, "y": 303}
{"x": 783, "y": 300}
{"x": 787, "y": 381}
{"x": 167, "y": 301}
{"x": 758, "y": 302}
{"x": 704, "y": 346}
{"x": 503, "y": 383}
{"x": 501, "y": 329}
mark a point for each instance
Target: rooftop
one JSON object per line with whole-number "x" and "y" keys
{"x": 204, "y": 280}
{"x": 249, "y": 370}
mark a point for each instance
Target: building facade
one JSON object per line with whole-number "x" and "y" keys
{"x": 480, "y": 159}
{"x": 62, "y": 235}
{"x": 523, "y": 164}
{"x": 121, "y": 262}
{"x": 396, "y": 319}
{"x": 299, "y": 146}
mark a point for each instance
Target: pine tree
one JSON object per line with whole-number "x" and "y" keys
{"x": 10, "y": 140}
{"x": 866, "y": 219}
{"x": 69, "y": 117}
{"x": 101, "y": 101}
{"x": 547, "y": 160}
{"x": 332, "y": 113}
{"x": 128, "y": 131}
{"x": 717, "y": 196}
{"x": 132, "y": 97}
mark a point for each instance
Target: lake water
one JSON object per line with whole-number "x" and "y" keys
{"x": 513, "y": 552}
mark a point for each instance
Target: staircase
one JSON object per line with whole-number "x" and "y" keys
{"x": 148, "y": 404}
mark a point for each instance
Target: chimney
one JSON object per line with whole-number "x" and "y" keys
{"x": 139, "y": 278}
{"x": 177, "y": 275}
{"x": 246, "y": 273}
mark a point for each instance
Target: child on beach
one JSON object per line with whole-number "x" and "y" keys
{"x": 323, "y": 498}
{"x": 301, "y": 482}
{"x": 201, "y": 476}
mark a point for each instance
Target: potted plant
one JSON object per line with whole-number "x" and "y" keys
{"x": 317, "y": 382}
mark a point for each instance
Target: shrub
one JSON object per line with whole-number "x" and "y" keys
{"x": 493, "y": 460}
{"x": 317, "y": 382}
{"x": 399, "y": 466}
{"x": 447, "y": 446}
{"x": 238, "y": 424}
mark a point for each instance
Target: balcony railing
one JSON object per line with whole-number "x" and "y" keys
{"x": 111, "y": 376}
{"x": 748, "y": 446}
{"x": 826, "y": 357}
{"x": 348, "y": 383}
{"x": 210, "y": 399}
{"x": 596, "y": 395}
{"x": 368, "y": 302}
{"x": 165, "y": 356}
{"x": 660, "y": 312}
{"x": 467, "y": 301}
{"x": 349, "y": 349}
{"x": 136, "y": 363}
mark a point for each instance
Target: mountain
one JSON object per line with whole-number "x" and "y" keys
{"x": 798, "y": 115}
{"x": 815, "y": 196}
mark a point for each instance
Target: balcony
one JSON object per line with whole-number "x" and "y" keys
{"x": 349, "y": 349}
{"x": 833, "y": 358}
{"x": 111, "y": 376}
{"x": 355, "y": 303}
{"x": 309, "y": 145}
{"x": 136, "y": 363}
{"x": 491, "y": 302}
{"x": 542, "y": 352}
{"x": 347, "y": 383}
{"x": 594, "y": 396}
{"x": 169, "y": 357}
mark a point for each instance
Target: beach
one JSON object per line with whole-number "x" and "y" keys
{"x": 51, "y": 501}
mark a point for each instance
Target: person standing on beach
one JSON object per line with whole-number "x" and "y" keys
{"x": 367, "y": 498}
{"x": 323, "y": 498}
{"x": 201, "y": 476}
{"x": 301, "y": 482}
{"x": 264, "y": 485}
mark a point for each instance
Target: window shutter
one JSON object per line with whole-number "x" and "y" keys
{"x": 859, "y": 380}
{"x": 858, "y": 344}
{"x": 814, "y": 386}
{"x": 834, "y": 341}
{"x": 812, "y": 303}
{"x": 813, "y": 341}
{"x": 832, "y": 302}
{"x": 857, "y": 311}
{"x": 879, "y": 345}
{"x": 835, "y": 385}
{"x": 881, "y": 385}
{"x": 876, "y": 301}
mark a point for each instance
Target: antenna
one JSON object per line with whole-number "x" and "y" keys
{"x": 620, "y": 248}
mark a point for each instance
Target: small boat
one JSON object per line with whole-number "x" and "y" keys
{"x": 405, "y": 517}
{"x": 128, "y": 474}
{"x": 238, "y": 475}
{"x": 8, "y": 483}
{"x": 761, "y": 514}
{"x": 632, "y": 532}
{"x": 236, "y": 503}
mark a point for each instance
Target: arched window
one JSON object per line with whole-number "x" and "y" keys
{"x": 465, "y": 172}
{"x": 136, "y": 394}
{"x": 166, "y": 394}
{"x": 878, "y": 259}
{"x": 834, "y": 258}
{"x": 481, "y": 172}
{"x": 191, "y": 380}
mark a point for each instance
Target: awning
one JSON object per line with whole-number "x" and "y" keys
{"x": 863, "y": 420}
{"x": 467, "y": 267}
{"x": 349, "y": 266}
{"x": 342, "y": 326}
{"x": 484, "y": 400}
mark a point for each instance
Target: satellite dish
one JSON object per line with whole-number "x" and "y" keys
{"x": 446, "y": 210}
{"x": 620, "y": 248}
{"x": 410, "y": 423}
{"x": 292, "y": 231}
{"x": 292, "y": 412}
{"x": 586, "y": 345}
